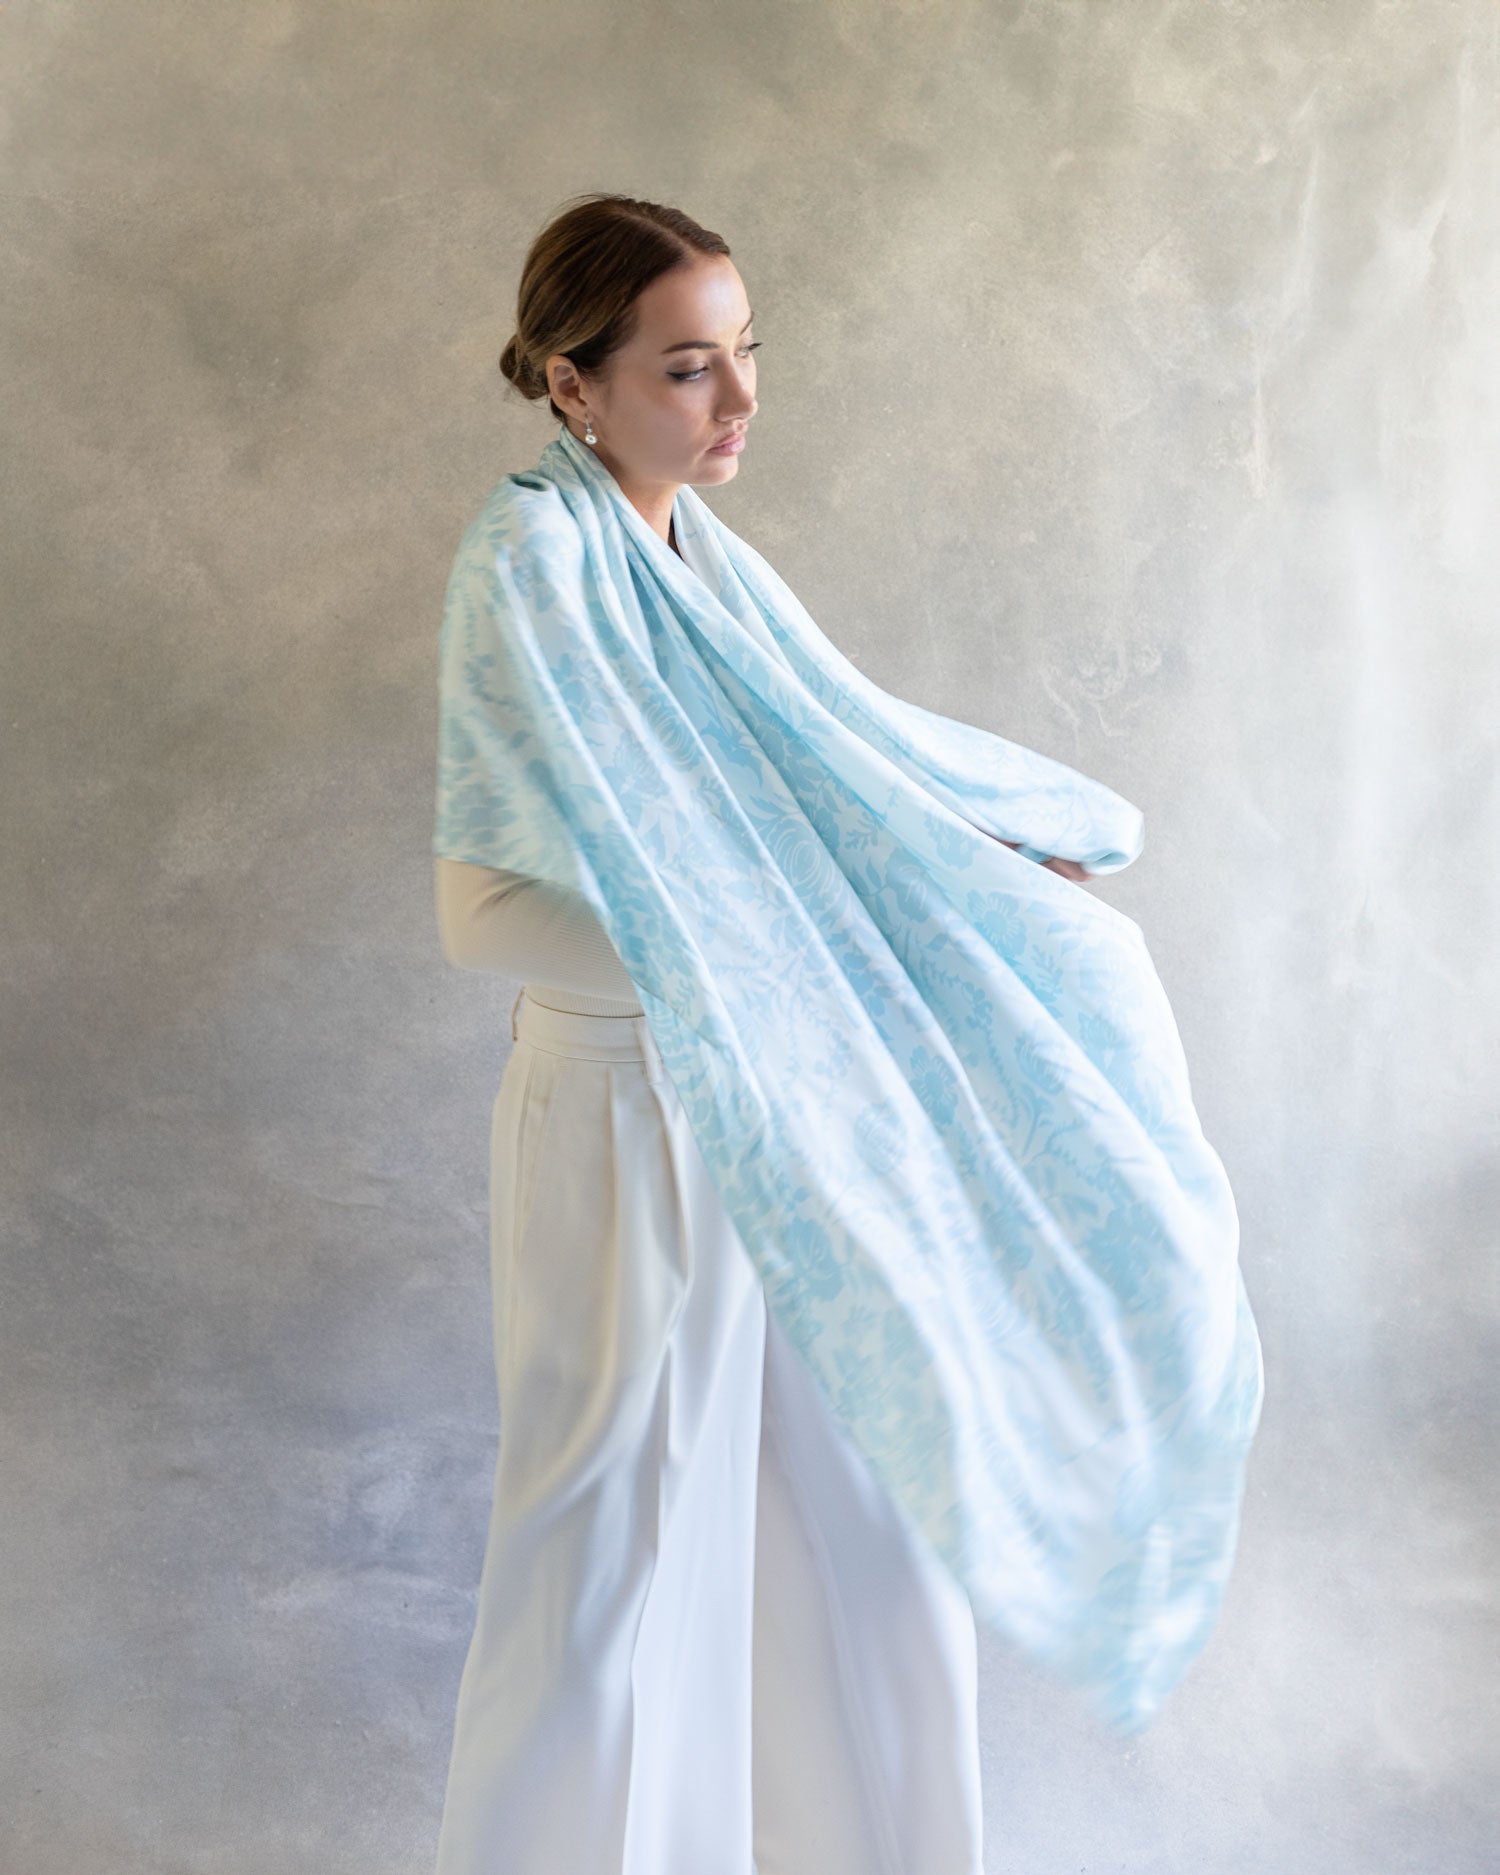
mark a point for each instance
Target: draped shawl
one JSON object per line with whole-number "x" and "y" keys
{"x": 937, "y": 1085}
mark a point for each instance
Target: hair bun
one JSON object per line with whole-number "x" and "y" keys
{"x": 513, "y": 365}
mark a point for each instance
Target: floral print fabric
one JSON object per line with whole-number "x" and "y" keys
{"x": 938, "y": 1086}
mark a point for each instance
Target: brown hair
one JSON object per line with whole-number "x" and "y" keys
{"x": 581, "y": 278}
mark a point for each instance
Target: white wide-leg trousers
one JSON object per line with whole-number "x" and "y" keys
{"x": 708, "y": 1641}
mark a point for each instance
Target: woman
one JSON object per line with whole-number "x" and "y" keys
{"x": 690, "y": 1573}
{"x": 834, "y": 1107}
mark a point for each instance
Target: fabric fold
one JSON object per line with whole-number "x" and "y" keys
{"x": 939, "y": 1088}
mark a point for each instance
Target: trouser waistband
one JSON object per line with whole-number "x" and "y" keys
{"x": 586, "y": 1038}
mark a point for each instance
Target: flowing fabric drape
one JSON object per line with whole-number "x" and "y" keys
{"x": 938, "y": 1086}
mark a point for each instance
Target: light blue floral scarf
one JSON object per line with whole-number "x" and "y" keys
{"x": 937, "y": 1085}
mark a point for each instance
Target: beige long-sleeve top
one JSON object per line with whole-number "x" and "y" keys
{"x": 544, "y": 936}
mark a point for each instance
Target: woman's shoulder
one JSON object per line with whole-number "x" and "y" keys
{"x": 524, "y": 510}
{"x": 525, "y": 492}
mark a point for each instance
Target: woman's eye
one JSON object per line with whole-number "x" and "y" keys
{"x": 686, "y": 377}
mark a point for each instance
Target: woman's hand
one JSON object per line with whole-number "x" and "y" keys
{"x": 1069, "y": 868}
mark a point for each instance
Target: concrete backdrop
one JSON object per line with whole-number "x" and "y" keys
{"x": 1129, "y": 386}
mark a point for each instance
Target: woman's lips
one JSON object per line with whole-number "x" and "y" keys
{"x": 730, "y": 447}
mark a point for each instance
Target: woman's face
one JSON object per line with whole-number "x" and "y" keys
{"x": 684, "y": 382}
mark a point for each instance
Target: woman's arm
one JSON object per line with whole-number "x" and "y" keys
{"x": 1069, "y": 868}
{"x": 527, "y": 929}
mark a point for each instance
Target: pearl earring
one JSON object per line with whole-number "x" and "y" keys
{"x": 588, "y": 430}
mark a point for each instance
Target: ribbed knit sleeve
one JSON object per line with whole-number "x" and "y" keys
{"x": 536, "y": 933}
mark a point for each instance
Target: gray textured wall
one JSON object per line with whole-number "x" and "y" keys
{"x": 1130, "y": 387}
